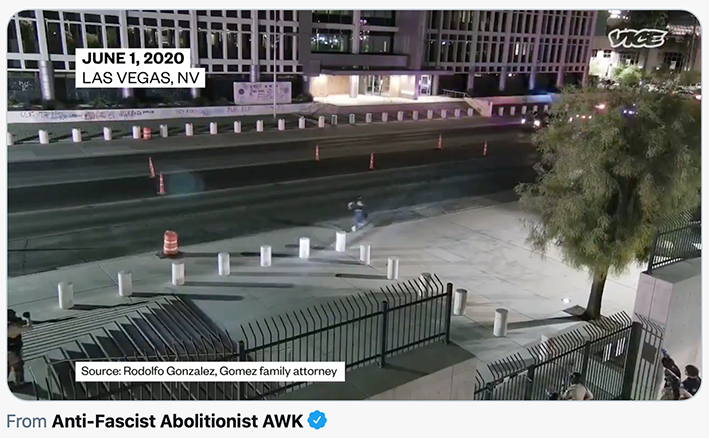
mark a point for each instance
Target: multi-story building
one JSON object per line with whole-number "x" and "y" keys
{"x": 391, "y": 53}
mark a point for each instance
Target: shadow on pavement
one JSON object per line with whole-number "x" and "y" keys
{"x": 362, "y": 276}
{"x": 543, "y": 322}
{"x": 230, "y": 284}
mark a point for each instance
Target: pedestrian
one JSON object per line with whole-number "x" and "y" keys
{"x": 673, "y": 380}
{"x": 16, "y": 326}
{"x": 576, "y": 389}
{"x": 357, "y": 206}
{"x": 692, "y": 383}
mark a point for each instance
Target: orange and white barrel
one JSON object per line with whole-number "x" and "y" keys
{"x": 147, "y": 133}
{"x": 170, "y": 246}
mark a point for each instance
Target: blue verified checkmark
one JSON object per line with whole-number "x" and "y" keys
{"x": 317, "y": 420}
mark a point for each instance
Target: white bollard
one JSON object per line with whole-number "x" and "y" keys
{"x": 213, "y": 128}
{"x": 237, "y": 127}
{"x": 66, "y": 295}
{"x": 415, "y": 115}
{"x": 429, "y": 114}
{"x": 125, "y": 283}
{"x": 353, "y": 119}
{"x": 189, "y": 129}
{"x": 304, "y": 248}
{"x": 393, "y": 268}
{"x": 500, "y": 326}
{"x": 456, "y": 113}
{"x": 460, "y": 299}
{"x": 224, "y": 263}
{"x": 400, "y": 116}
{"x": 535, "y": 108}
{"x": 365, "y": 254}
{"x": 265, "y": 256}
{"x": 501, "y": 111}
{"x": 10, "y": 140}
{"x": 471, "y": 112}
{"x": 178, "y": 273}
{"x": 259, "y": 126}
{"x": 136, "y": 132}
{"x": 513, "y": 110}
{"x": 368, "y": 118}
{"x": 524, "y": 109}
{"x": 340, "y": 241}
{"x": 427, "y": 283}
{"x": 444, "y": 114}
{"x": 301, "y": 123}
{"x": 76, "y": 135}
{"x": 164, "y": 132}
{"x": 385, "y": 117}
{"x": 321, "y": 122}
{"x": 333, "y": 120}
{"x": 43, "y": 137}
{"x": 546, "y": 108}
{"x": 281, "y": 124}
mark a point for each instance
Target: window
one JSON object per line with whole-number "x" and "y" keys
{"x": 202, "y": 43}
{"x": 30, "y": 42}
{"x": 376, "y": 42}
{"x": 288, "y": 16}
{"x": 342, "y": 17}
{"x": 113, "y": 37}
{"x": 168, "y": 38}
{"x": 288, "y": 48}
{"x": 134, "y": 40}
{"x": 13, "y": 44}
{"x": 378, "y": 18}
{"x": 673, "y": 60}
{"x": 94, "y": 37}
{"x": 331, "y": 40}
{"x": 74, "y": 38}
{"x": 184, "y": 39}
{"x": 151, "y": 38}
{"x": 54, "y": 38}
{"x": 217, "y": 40}
{"x": 246, "y": 46}
{"x": 232, "y": 43}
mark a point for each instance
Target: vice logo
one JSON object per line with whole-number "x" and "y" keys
{"x": 637, "y": 39}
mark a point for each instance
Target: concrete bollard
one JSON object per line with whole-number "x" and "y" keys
{"x": 259, "y": 126}
{"x": 471, "y": 112}
{"x": 301, "y": 123}
{"x": 415, "y": 115}
{"x": 460, "y": 299}
{"x": 333, "y": 120}
{"x": 189, "y": 129}
{"x": 499, "y": 328}
{"x": 43, "y": 137}
{"x": 444, "y": 114}
{"x": 224, "y": 263}
{"x": 368, "y": 118}
{"x": 10, "y": 140}
{"x": 393, "y": 268}
{"x": 178, "y": 273}
{"x": 304, "y": 248}
{"x": 385, "y": 117}
{"x": 321, "y": 122}
{"x": 237, "y": 127}
{"x": 501, "y": 111}
{"x": 164, "y": 131}
{"x": 427, "y": 285}
{"x": 213, "y": 128}
{"x": 136, "y": 133}
{"x": 76, "y": 135}
{"x": 513, "y": 110}
{"x": 429, "y": 114}
{"x": 546, "y": 108}
{"x": 353, "y": 119}
{"x": 456, "y": 113}
{"x": 281, "y": 124}
{"x": 400, "y": 116}
{"x": 266, "y": 256}
{"x": 340, "y": 241}
{"x": 125, "y": 283}
{"x": 66, "y": 295}
{"x": 365, "y": 254}
{"x": 535, "y": 108}
{"x": 524, "y": 109}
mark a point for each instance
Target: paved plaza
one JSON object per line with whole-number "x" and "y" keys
{"x": 477, "y": 244}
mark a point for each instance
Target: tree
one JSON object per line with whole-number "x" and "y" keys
{"x": 605, "y": 183}
{"x": 630, "y": 75}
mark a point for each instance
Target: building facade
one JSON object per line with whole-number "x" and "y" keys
{"x": 390, "y": 53}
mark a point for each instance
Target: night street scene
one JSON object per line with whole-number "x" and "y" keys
{"x": 457, "y": 205}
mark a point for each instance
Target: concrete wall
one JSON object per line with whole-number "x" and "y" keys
{"x": 323, "y": 86}
{"x": 433, "y": 372}
{"x": 671, "y": 297}
{"x": 356, "y": 59}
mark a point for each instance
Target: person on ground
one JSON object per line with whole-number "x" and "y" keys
{"x": 16, "y": 326}
{"x": 357, "y": 206}
{"x": 576, "y": 389}
{"x": 692, "y": 383}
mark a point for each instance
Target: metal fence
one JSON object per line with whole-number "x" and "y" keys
{"x": 358, "y": 330}
{"x": 680, "y": 238}
{"x": 599, "y": 351}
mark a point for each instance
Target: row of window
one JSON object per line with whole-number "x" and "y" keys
{"x": 553, "y": 22}
{"x": 340, "y": 41}
{"x": 372, "y": 18}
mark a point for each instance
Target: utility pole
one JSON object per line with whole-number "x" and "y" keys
{"x": 275, "y": 44}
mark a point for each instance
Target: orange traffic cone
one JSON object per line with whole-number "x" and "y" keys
{"x": 317, "y": 153}
{"x": 485, "y": 149}
{"x": 162, "y": 186}
{"x": 440, "y": 143}
{"x": 371, "y": 161}
{"x": 152, "y": 168}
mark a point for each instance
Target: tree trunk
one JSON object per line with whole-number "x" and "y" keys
{"x": 593, "y": 309}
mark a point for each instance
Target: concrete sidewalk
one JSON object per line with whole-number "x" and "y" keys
{"x": 477, "y": 244}
{"x": 176, "y": 143}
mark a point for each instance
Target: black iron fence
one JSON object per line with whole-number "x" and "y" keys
{"x": 358, "y": 330}
{"x": 677, "y": 240}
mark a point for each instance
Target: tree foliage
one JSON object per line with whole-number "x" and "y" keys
{"x": 606, "y": 182}
{"x": 629, "y": 75}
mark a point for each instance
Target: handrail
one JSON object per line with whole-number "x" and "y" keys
{"x": 455, "y": 93}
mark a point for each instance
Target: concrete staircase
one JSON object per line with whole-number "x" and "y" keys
{"x": 165, "y": 328}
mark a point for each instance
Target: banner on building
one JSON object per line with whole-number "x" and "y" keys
{"x": 261, "y": 93}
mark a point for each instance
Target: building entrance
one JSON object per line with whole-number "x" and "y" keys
{"x": 376, "y": 85}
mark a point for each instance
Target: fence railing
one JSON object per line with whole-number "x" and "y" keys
{"x": 455, "y": 94}
{"x": 680, "y": 240}
{"x": 358, "y": 330}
